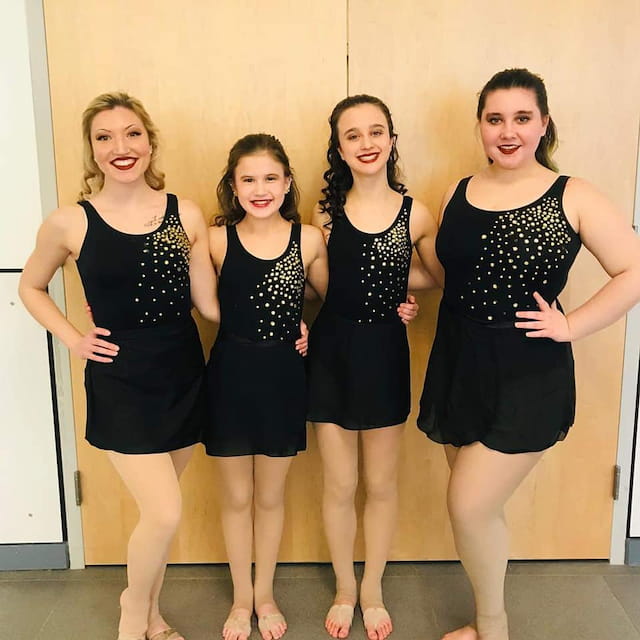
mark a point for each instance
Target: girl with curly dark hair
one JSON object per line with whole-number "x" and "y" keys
{"x": 358, "y": 349}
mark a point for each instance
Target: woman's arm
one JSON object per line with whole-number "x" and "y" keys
{"x": 51, "y": 251}
{"x": 203, "y": 281}
{"x": 428, "y": 273}
{"x": 314, "y": 255}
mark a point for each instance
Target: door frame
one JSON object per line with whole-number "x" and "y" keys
{"x": 49, "y": 201}
{"x": 628, "y": 404}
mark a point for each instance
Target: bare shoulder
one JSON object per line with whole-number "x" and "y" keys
{"x": 583, "y": 201}
{"x": 579, "y": 189}
{"x": 65, "y": 226}
{"x": 448, "y": 194}
{"x": 217, "y": 232}
{"x": 420, "y": 210}
{"x": 422, "y": 221}
{"x": 311, "y": 235}
{"x": 218, "y": 244}
{"x": 66, "y": 217}
{"x": 189, "y": 210}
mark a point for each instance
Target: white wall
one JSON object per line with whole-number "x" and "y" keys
{"x": 635, "y": 481}
{"x": 29, "y": 493}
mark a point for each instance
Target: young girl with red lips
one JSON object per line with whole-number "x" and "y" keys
{"x": 142, "y": 256}
{"x": 256, "y": 380}
{"x": 358, "y": 349}
{"x": 499, "y": 388}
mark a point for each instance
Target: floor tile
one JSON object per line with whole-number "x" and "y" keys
{"x": 627, "y": 590}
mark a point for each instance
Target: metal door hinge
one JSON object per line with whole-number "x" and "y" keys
{"x": 617, "y": 471}
{"x": 78, "y": 486}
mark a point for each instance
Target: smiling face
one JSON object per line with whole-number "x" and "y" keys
{"x": 120, "y": 145}
{"x": 511, "y": 127}
{"x": 260, "y": 184}
{"x": 364, "y": 139}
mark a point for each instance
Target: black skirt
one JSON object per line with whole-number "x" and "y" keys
{"x": 257, "y": 398}
{"x": 150, "y": 399}
{"x": 358, "y": 374}
{"x": 494, "y": 385}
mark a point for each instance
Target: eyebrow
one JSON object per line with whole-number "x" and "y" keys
{"x": 370, "y": 127}
{"x": 127, "y": 127}
{"x": 252, "y": 175}
{"x": 521, "y": 112}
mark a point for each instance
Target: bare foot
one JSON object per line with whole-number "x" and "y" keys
{"x": 237, "y": 626}
{"x": 271, "y": 622}
{"x": 464, "y": 633}
{"x": 133, "y": 618}
{"x": 339, "y": 617}
{"x": 377, "y": 622}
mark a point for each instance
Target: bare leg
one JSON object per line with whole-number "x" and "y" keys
{"x": 236, "y": 474}
{"x": 153, "y": 483}
{"x": 339, "y": 453}
{"x": 270, "y": 476}
{"x": 380, "y": 450}
{"x": 482, "y": 480}
{"x": 180, "y": 459}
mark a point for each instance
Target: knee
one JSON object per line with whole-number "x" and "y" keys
{"x": 340, "y": 489}
{"x": 467, "y": 511}
{"x": 383, "y": 489}
{"x": 238, "y": 500}
{"x": 164, "y": 517}
{"x": 269, "y": 500}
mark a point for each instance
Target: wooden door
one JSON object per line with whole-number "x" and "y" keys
{"x": 208, "y": 72}
{"x": 428, "y": 61}
{"x": 211, "y": 72}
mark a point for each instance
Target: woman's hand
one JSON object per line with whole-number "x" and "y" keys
{"x": 302, "y": 343}
{"x": 408, "y": 310}
{"x": 91, "y": 347}
{"x": 549, "y": 322}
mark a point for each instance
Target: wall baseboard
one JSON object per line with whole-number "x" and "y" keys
{"x": 632, "y": 555}
{"x": 14, "y": 557}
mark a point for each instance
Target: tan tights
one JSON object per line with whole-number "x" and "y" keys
{"x": 253, "y": 489}
{"x": 339, "y": 451}
{"x": 153, "y": 481}
{"x": 481, "y": 482}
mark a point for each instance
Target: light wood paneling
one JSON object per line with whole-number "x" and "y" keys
{"x": 211, "y": 72}
{"x": 428, "y": 61}
{"x": 208, "y": 72}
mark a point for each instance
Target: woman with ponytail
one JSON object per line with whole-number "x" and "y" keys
{"x": 500, "y": 389}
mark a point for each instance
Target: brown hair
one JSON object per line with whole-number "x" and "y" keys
{"x": 93, "y": 178}
{"x": 338, "y": 176}
{"x": 230, "y": 210}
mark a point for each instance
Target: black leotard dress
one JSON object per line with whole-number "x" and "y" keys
{"x": 255, "y": 377}
{"x": 486, "y": 381}
{"x": 150, "y": 399}
{"x": 358, "y": 363}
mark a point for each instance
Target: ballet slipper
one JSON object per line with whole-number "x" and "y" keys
{"x": 339, "y": 619}
{"x": 166, "y": 634}
{"x": 377, "y": 622}
{"x": 237, "y": 626}
{"x": 271, "y": 625}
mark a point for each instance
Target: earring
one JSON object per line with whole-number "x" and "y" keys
{"x": 236, "y": 202}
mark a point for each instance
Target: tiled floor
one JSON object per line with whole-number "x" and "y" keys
{"x": 546, "y": 601}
